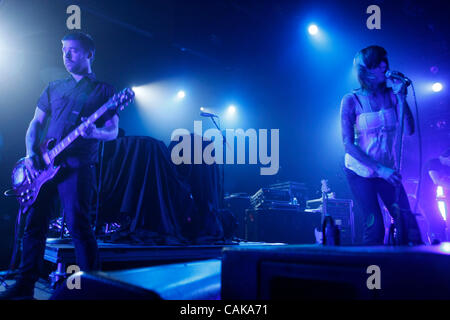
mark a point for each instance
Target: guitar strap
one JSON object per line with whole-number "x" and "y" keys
{"x": 78, "y": 99}
{"x": 80, "y": 102}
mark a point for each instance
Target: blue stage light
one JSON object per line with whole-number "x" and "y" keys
{"x": 181, "y": 94}
{"x": 137, "y": 90}
{"x": 436, "y": 87}
{"x": 313, "y": 29}
{"x": 231, "y": 110}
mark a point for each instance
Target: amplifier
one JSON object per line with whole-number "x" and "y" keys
{"x": 266, "y": 197}
{"x": 298, "y": 192}
{"x": 325, "y": 273}
{"x": 285, "y": 226}
{"x": 341, "y": 210}
{"x": 237, "y": 203}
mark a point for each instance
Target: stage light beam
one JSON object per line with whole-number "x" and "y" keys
{"x": 148, "y": 95}
{"x": 137, "y": 91}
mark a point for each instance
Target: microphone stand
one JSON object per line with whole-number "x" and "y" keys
{"x": 222, "y": 191}
{"x": 401, "y": 221}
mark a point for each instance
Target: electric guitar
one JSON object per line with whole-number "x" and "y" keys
{"x": 26, "y": 188}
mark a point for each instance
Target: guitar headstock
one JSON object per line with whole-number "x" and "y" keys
{"x": 120, "y": 100}
{"x": 325, "y": 188}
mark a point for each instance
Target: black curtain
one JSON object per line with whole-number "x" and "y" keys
{"x": 155, "y": 201}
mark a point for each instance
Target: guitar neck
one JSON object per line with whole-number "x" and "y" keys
{"x": 64, "y": 143}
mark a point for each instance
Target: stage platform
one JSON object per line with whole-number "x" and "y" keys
{"x": 63, "y": 254}
{"x": 258, "y": 271}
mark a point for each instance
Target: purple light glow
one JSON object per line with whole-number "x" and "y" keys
{"x": 434, "y": 69}
{"x": 441, "y": 202}
{"x": 446, "y": 247}
{"x": 439, "y": 192}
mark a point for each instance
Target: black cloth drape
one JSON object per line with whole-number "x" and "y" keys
{"x": 205, "y": 182}
{"x": 155, "y": 201}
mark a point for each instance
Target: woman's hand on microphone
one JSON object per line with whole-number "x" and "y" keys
{"x": 399, "y": 88}
{"x": 390, "y": 175}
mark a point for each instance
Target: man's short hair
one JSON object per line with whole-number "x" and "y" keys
{"x": 86, "y": 41}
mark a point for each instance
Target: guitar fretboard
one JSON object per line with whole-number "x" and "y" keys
{"x": 64, "y": 143}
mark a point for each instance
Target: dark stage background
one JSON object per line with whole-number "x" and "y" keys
{"x": 254, "y": 54}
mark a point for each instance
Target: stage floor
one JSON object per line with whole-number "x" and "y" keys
{"x": 63, "y": 255}
{"x": 225, "y": 268}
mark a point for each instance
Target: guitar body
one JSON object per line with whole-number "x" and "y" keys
{"x": 27, "y": 189}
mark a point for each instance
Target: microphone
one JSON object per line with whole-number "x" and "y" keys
{"x": 397, "y": 75}
{"x": 207, "y": 114}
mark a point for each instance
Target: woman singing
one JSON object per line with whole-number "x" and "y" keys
{"x": 371, "y": 134}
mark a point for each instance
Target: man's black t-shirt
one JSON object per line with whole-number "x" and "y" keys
{"x": 60, "y": 100}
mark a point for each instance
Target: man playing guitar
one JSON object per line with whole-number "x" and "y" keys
{"x": 60, "y": 109}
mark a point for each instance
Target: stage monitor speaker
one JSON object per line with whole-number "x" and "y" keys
{"x": 199, "y": 280}
{"x": 295, "y": 272}
{"x": 98, "y": 286}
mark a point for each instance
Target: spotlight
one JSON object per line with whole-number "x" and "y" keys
{"x": 313, "y": 29}
{"x": 230, "y": 112}
{"x": 181, "y": 94}
{"x": 231, "y": 109}
{"x": 148, "y": 94}
{"x": 137, "y": 90}
{"x": 202, "y": 109}
{"x": 436, "y": 87}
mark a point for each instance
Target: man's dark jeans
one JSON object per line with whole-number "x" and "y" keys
{"x": 365, "y": 192}
{"x": 74, "y": 186}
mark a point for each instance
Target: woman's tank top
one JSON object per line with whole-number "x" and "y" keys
{"x": 375, "y": 134}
